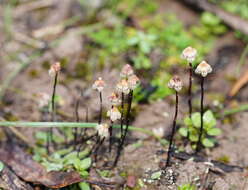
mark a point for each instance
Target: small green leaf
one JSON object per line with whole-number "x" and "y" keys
{"x": 85, "y": 164}
{"x": 188, "y": 121}
{"x": 1, "y": 166}
{"x": 209, "y": 119}
{"x": 214, "y": 132}
{"x": 207, "y": 142}
{"x": 84, "y": 153}
{"x": 103, "y": 173}
{"x": 84, "y": 174}
{"x": 193, "y": 137}
{"x": 183, "y": 131}
{"x": 210, "y": 19}
{"x": 156, "y": 175}
{"x": 52, "y": 166}
{"x": 84, "y": 186}
{"x": 196, "y": 119}
{"x": 76, "y": 163}
{"x": 41, "y": 136}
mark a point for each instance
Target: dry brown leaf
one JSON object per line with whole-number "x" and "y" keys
{"x": 29, "y": 170}
{"x": 8, "y": 180}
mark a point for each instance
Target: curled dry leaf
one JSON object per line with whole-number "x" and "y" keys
{"x": 242, "y": 81}
{"x": 26, "y": 168}
{"x": 8, "y": 180}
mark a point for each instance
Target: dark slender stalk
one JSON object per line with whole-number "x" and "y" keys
{"x": 83, "y": 130}
{"x": 123, "y": 137}
{"x": 50, "y": 132}
{"x": 77, "y": 120}
{"x": 202, "y": 112}
{"x": 111, "y": 134}
{"x": 98, "y": 145}
{"x": 190, "y": 92}
{"x": 190, "y": 89}
{"x": 170, "y": 149}
{"x": 100, "y": 112}
{"x": 130, "y": 99}
{"x": 122, "y": 112}
{"x": 85, "y": 140}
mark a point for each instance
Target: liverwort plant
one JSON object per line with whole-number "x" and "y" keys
{"x": 189, "y": 54}
{"x": 53, "y": 72}
{"x": 114, "y": 114}
{"x": 99, "y": 85}
{"x": 202, "y": 69}
{"x": 103, "y": 133}
{"x": 176, "y": 84}
{"x": 128, "y": 83}
{"x": 122, "y": 87}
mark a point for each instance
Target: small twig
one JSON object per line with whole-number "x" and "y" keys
{"x": 172, "y": 133}
{"x": 22, "y": 137}
{"x": 202, "y": 112}
{"x": 228, "y": 112}
{"x": 31, "y": 6}
{"x": 197, "y": 158}
{"x": 234, "y": 21}
{"x": 25, "y": 62}
{"x": 102, "y": 184}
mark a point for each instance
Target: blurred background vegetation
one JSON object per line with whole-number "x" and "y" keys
{"x": 143, "y": 33}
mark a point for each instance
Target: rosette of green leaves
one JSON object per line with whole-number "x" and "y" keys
{"x": 193, "y": 125}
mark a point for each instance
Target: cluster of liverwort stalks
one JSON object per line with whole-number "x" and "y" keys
{"x": 203, "y": 69}
{"x": 122, "y": 94}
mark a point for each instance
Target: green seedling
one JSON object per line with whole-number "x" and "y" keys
{"x": 187, "y": 187}
{"x": 193, "y": 126}
{"x": 144, "y": 43}
{"x": 1, "y": 166}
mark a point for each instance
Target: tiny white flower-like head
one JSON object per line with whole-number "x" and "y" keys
{"x": 99, "y": 84}
{"x": 189, "y": 54}
{"x": 123, "y": 87}
{"x": 114, "y": 99}
{"x": 159, "y": 132}
{"x": 175, "y": 83}
{"x": 55, "y": 68}
{"x": 43, "y": 99}
{"x": 114, "y": 114}
{"x": 103, "y": 130}
{"x": 203, "y": 69}
{"x": 126, "y": 71}
{"x": 133, "y": 82}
